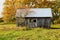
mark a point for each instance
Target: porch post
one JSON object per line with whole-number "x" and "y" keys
{"x": 36, "y": 22}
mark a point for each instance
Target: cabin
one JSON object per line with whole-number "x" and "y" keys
{"x": 38, "y": 17}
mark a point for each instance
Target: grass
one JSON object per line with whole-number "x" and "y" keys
{"x": 55, "y": 26}
{"x": 11, "y": 32}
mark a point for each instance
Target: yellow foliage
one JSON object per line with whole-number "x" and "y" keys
{"x": 12, "y": 5}
{"x": 58, "y": 9}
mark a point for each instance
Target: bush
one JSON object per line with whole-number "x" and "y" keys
{"x": 1, "y": 20}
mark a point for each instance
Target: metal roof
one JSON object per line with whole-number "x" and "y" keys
{"x": 40, "y": 12}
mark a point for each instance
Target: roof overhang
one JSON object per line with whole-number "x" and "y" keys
{"x": 40, "y": 12}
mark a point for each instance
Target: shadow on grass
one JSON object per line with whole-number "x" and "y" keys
{"x": 54, "y": 28}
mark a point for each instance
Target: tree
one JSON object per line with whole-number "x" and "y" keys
{"x": 12, "y": 5}
{"x": 9, "y": 9}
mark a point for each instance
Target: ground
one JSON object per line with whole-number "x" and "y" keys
{"x": 11, "y": 32}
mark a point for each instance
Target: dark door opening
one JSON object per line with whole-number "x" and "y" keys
{"x": 34, "y": 20}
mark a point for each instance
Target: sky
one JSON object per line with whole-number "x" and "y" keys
{"x": 1, "y": 7}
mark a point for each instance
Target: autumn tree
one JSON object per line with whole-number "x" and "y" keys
{"x": 12, "y": 5}
{"x": 9, "y": 9}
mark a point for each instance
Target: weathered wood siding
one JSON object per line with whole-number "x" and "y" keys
{"x": 40, "y": 22}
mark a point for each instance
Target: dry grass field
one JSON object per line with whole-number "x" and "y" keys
{"x": 11, "y": 32}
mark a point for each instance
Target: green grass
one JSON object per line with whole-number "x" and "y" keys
{"x": 55, "y": 26}
{"x": 11, "y": 32}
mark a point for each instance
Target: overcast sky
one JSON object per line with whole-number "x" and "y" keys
{"x": 1, "y": 6}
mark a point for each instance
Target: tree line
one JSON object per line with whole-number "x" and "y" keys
{"x": 10, "y": 7}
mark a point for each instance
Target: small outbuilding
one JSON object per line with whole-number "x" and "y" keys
{"x": 37, "y": 17}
